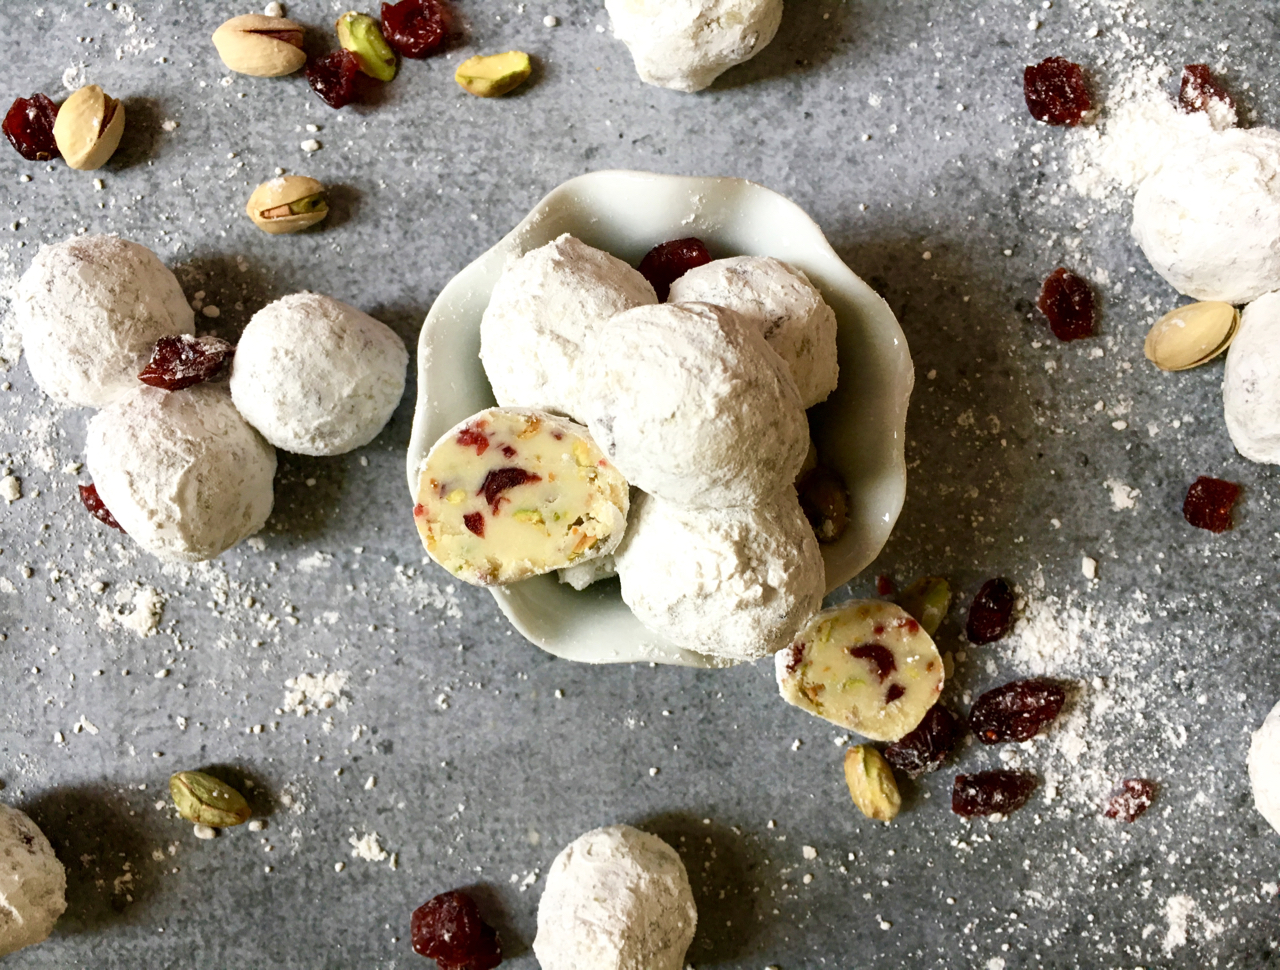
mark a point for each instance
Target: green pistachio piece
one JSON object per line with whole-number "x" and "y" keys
{"x": 360, "y": 34}
{"x": 927, "y": 599}
{"x": 205, "y": 800}
{"x": 312, "y": 203}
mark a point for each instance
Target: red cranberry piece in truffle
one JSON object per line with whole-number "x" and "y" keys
{"x": 93, "y": 502}
{"x": 1056, "y": 91}
{"x": 184, "y": 361}
{"x": 1199, "y": 88}
{"x": 450, "y": 930}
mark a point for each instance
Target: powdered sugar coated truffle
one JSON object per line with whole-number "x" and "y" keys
{"x": 693, "y": 406}
{"x": 687, "y": 44}
{"x": 182, "y": 472}
{"x": 33, "y": 883}
{"x": 1209, "y": 219}
{"x": 317, "y": 377}
{"x": 539, "y": 315}
{"x": 732, "y": 583}
{"x": 780, "y": 300}
{"x": 616, "y": 899}
{"x": 1264, "y": 768}
{"x": 90, "y": 311}
{"x": 1251, "y": 382}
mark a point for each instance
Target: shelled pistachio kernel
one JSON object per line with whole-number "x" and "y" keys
{"x": 871, "y": 783}
{"x": 927, "y": 599}
{"x": 286, "y": 204}
{"x": 360, "y": 34}
{"x": 494, "y": 75}
{"x": 88, "y": 128}
{"x": 259, "y": 45}
{"x": 205, "y": 800}
{"x": 1191, "y": 335}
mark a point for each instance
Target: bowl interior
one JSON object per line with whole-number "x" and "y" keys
{"x": 859, "y": 430}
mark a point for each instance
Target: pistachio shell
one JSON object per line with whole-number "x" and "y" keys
{"x": 280, "y": 192}
{"x": 205, "y": 800}
{"x": 254, "y": 44}
{"x": 1191, "y": 335}
{"x": 88, "y": 128}
{"x": 494, "y": 75}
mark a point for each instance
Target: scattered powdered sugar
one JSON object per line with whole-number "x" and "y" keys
{"x": 309, "y": 693}
{"x": 143, "y": 619}
{"x": 1140, "y": 126}
{"x": 368, "y": 847}
{"x": 1181, "y": 911}
{"x": 1123, "y": 497}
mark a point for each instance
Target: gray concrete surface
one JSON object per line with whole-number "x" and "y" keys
{"x": 487, "y": 755}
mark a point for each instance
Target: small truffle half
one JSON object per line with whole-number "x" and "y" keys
{"x": 33, "y": 883}
{"x": 543, "y": 308}
{"x": 316, "y": 376}
{"x": 616, "y": 898}
{"x": 1264, "y": 768}
{"x": 686, "y": 44}
{"x": 736, "y": 583}
{"x": 182, "y": 472}
{"x": 778, "y": 299}
{"x": 694, "y": 406}
{"x": 90, "y": 310}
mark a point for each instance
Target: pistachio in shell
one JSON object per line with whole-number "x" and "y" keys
{"x": 261, "y": 46}
{"x": 205, "y": 800}
{"x": 88, "y": 128}
{"x": 1191, "y": 335}
{"x": 287, "y": 204}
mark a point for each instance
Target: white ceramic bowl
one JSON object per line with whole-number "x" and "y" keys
{"x": 859, "y": 430}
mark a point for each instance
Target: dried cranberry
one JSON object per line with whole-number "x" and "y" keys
{"x": 1067, "y": 300}
{"x": 991, "y": 792}
{"x": 925, "y": 748}
{"x": 879, "y": 656}
{"x": 473, "y": 437}
{"x": 474, "y": 521}
{"x": 894, "y": 693}
{"x": 1017, "y": 711}
{"x": 1056, "y": 91}
{"x": 184, "y": 361}
{"x": 795, "y": 657}
{"x": 1131, "y": 798}
{"x": 1208, "y": 503}
{"x": 335, "y": 77}
{"x": 667, "y": 262}
{"x": 500, "y": 480}
{"x": 450, "y": 930}
{"x": 415, "y": 28}
{"x": 1199, "y": 87}
{"x": 824, "y": 497}
{"x": 29, "y": 127}
{"x": 885, "y": 585}
{"x": 93, "y": 502}
{"x": 991, "y": 612}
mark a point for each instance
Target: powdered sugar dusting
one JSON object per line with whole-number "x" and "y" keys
{"x": 309, "y": 693}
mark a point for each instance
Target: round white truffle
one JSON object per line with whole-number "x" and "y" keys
{"x": 787, "y": 308}
{"x": 686, "y": 44}
{"x": 182, "y": 472}
{"x": 541, "y": 311}
{"x": 616, "y": 899}
{"x": 1264, "y": 768}
{"x": 1251, "y": 382}
{"x": 731, "y": 583}
{"x": 693, "y": 406}
{"x": 1209, "y": 218}
{"x": 33, "y": 883}
{"x": 90, "y": 310}
{"x": 317, "y": 377}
